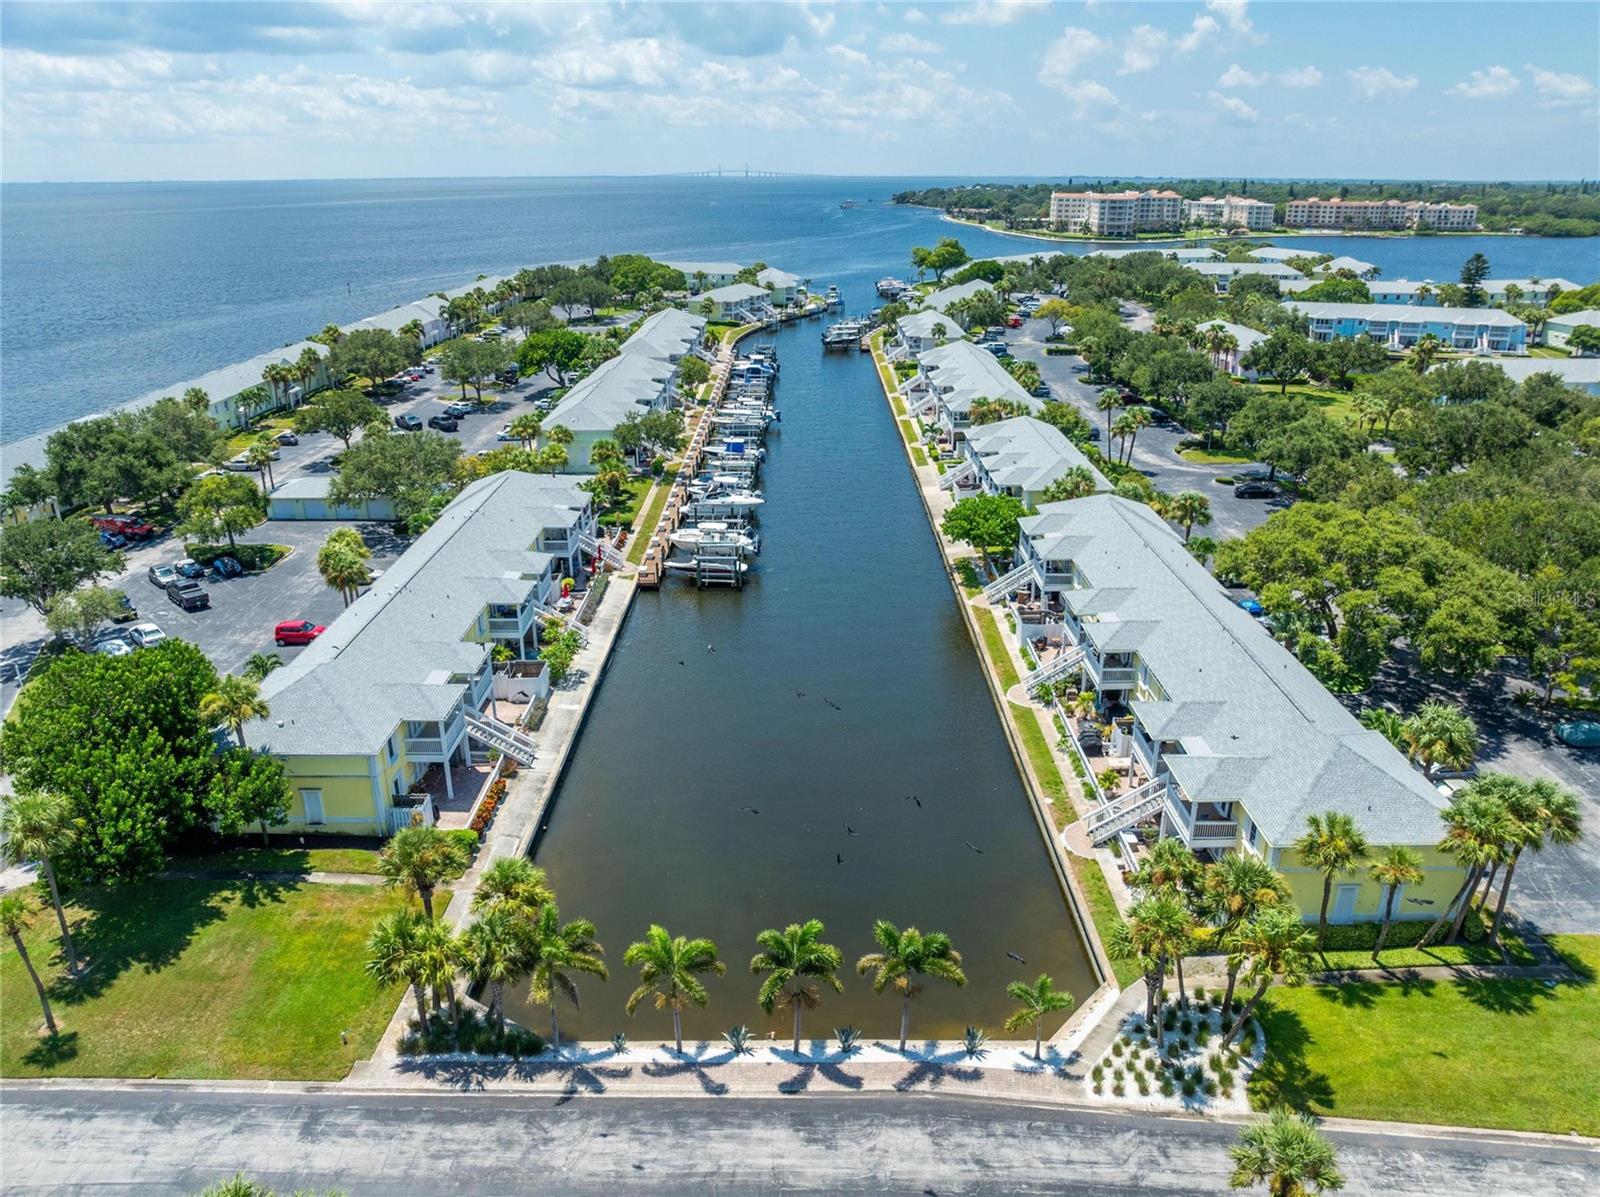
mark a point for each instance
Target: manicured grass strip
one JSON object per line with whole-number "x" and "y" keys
{"x": 279, "y": 860}
{"x": 918, "y": 456}
{"x": 1440, "y": 954}
{"x": 995, "y": 646}
{"x": 203, "y": 979}
{"x": 1516, "y": 1054}
{"x": 652, "y": 516}
{"x": 971, "y": 579}
{"x": 1044, "y": 764}
{"x": 898, "y": 404}
{"x": 1103, "y": 911}
{"x": 908, "y": 430}
{"x": 1202, "y": 457}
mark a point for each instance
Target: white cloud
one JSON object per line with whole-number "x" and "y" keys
{"x": 630, "y": 62}
{"x": 909, "y": 43}
{"x": 1067, "y": 53}
{"x": 915, "y": 16}
{"x": 1237, "y": 76}
{"x": 1496, "y": 83}
{"x": 1556, "y": 89}
{"x": 993, "y": 12}
{"x": 1202, "y": 28}
{"x": 1373, "y": 83}
{"x": 849, "y": 56}
{"x": 1142, "y": 50}
{"x": 1233, "y": 106}
{"x": 1236, "y": 15}
{"x": 1306, "y": 76}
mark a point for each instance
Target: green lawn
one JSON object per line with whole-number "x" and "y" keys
{"x": 1438, "y": 954}
{"x": 622, "y": 513}
{"x": 1517, "y": 1054}
{"x": 1103, "y": 911}
{"x": 908, "y": 430}
{"x": 279, "y": 860}
{"x": 971, "y": 579}
{"x": 1212, "y": 457}
{"x": 1044, "y": 764}
{"x": 918, "y": 456}
{"x": 995, "y": 646}
{"x": 1548, "y": 351}
{"x": 203, "y": 979}
{"x": 652, "y": 516}
{"x": 1332, "y": 402}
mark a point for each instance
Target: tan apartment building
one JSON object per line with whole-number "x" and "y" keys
{"x": 1338, "y": 213}
{"x": 1229, "y": 212}
{"x": 1116, "y": 213}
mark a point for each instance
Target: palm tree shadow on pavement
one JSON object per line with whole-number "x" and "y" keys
{"x": 931, "y": 1070}
{"x": 692, "y": 1065}
{"x": 800, "y": 1082}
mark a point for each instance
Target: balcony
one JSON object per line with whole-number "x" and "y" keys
{"x": 1207, "y": 827}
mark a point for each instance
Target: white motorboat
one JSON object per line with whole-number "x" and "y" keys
{"x": 729, "y": 500}
{"x": 715, "y": 532}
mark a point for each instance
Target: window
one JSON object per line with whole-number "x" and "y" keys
{"x": 1250, "y": 833}
{"x": 311, "y": 803}
{"x": 389, "y": 750}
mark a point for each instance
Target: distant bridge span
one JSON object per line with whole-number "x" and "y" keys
{"x": 746, "y": 172}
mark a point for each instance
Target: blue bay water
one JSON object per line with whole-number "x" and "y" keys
{"x": 108, "y": 291}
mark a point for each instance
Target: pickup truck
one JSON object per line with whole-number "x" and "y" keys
{"x": 191, "y": 596}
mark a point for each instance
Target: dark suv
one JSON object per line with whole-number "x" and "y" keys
{"x": 443, "y": 423}
{"x": 191, "y": 596}
{"x": 1255, "y": 490}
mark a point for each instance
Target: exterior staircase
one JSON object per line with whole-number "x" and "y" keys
{"x": 961, "y": 473}
{"x": 1008, "y": 581}
{"x": 501, "y": 736}
{"x": 1124, "y": 811}
{"x": 546, "y": 615}
{"x": 1068, "y": 662}
{"x": 604, "y": 549}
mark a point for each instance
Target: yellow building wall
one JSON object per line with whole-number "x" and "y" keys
{"x": 1442, "y": 876}
{"x": 347, "y": 793}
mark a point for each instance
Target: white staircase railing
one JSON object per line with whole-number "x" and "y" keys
{"x": 1067, "y": 662}
{"x": 546, "y": 615}
{"x": 604, "y": 549}
{"x": 1125, "y": 810}
{"x": 1007, "y": 582}
{"x": 961, "y": 473}
{"x": 502, "y": 736}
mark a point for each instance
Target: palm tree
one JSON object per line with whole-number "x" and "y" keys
{"x": 556, "y": 950}
{"x": 1235, "y": 890}
{"x": 1477, "y": 829}
{"x": 495, "y": 948}
{"x": 13, "y": 922}
{"x": 275, "y": 375}
{"x": 513, "y": 882}
{"x": 261, "y": 664}
{"x": 1424, "y": 293}
{"x": 796, "y": 964}
{"x": 417, "y": 859}
{"x": 903, "y": 956}
{"x": 1388, "y": 724}
{"x": 526, "y": 429}
{"x": 443, "y": 954}
{"x": 39, "y": 826}
{"x": 1108, "y": 400}
{"x": 1287, "y": 1152}
{"x": 1123, "y": 429}
{"x": 1156, "y": 929}
{"x": 1424, "y": 352}
{"x": 394, "y": 955}
{"x": 1545, "y": 813}
{"x": 1335, "y": 847}
{"x": 309, "y": 362}
{"x": 259, "y": 455}
{"x": 414, "y": 330}
{"x": 1188, "y": 509}
{"x": 1140, "y": 417}
{"x": 1397, "y": 867}
{"x": 235, "y": 702}
{"x": 1439, "y": 733}
{"x": 668, "y": 970}
{"x": 342, "y": 562}
{"x": 1274, "y": 945}
{"x": 1076, "y": 483}
{"x": 1034, "y": 1003}
{"x": 559, "y": 434}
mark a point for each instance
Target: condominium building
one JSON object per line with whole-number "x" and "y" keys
{"x": 1496, "y": 291}
{"x": 1230, "y": 212}
{"x": 1020, "y": 457}
{"x": 1228, "y": 741}
{"x": 1396, "y": 326}
{"x": 941, "y": 300}
{"x": 1116, "y": 213}
{"x": 1338, "y": 213}
{"x": 375, "y": 721}
{"x": 951, "y": 378}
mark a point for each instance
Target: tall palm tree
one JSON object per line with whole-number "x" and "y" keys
{"x": 1188, "y": 509}
{"x": 39, "y": 826}
{"x": 556, "y": 950}
{"x": 394, "y": 955}
{"x": 496, "y": 951}
{"x": 559, "y": 434}
{"x": 1439, "y": 733}
{"x": 1545, "y": 813}
{"x": 1388, "y": 724}
{"x": 417, "y": 859}
{"x": 1156, "y": 929}
{"x": 1477, "y": 828}
{"x": 1123, "y": 429}
{"x": 1140, "y": 418}
{"x": 1424, "y": 293}
{"x": 261, "y": 664}
{"x": 514, "y": 882}
{"x": 442, "y": 955}
{"x": 414, "y": 330}
{"x": 902, "y": 957}
{"x": 1235, "y": 890}
{"x": 259, "y": 455}
{"x": 669, "y": 970}
{"x": 1334, "y": 846}
{"x": 234, "y": 702}
{"x": 1274, "y": 945}
{"x": 796, "y": 964}
{"x": 1034, "y": 1003}
{"x": 1398, "y": 866}
{"x": 1287, "y": 1153}
{"x": 1424, "y": 352}
{"x": 307, "y": 365}
{"x": 342, "y": 562}
{"x": 526, "y": 429}
{"x": 1108, "y": 400}
{"x": 13, "y": 922}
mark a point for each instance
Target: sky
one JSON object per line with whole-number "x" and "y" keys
{"x": 1225, "y": 88}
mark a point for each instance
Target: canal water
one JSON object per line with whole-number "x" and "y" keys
{"x": 838, "y": 695}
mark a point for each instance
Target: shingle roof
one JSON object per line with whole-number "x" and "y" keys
{"x": 944, "y": 298}
{"x": 1354, "y": 265}
{"x": 1028, "y": 453}
{"x": 1574, "y": 371}
{"x": 390, "y": 656}
{"x": 773, "y": 277}
{"x": 921, "y": 324}
{"x": 1233, "y": 269}
{"x": 1275, "y": 253}
{"x": 669, "y": 333}
{"x": 1386, "y": 313}
{"x": 961, "y": 372}
{"x": 1254, "y": 726}
{"x": 1247, "y": 337}
{"x": 736, "y": 293}
{"x": 618, "y": 388}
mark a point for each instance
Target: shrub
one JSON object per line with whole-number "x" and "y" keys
{"x": 491, "y": 801}
{"x": 1202, "y": 1036}
{"x": 1187, "y": 1025}
{"x": 1116, "y": 1075}
{"x": 1169, "y": 1020}
{"x": 465, "y": 838}
{"x": 1118, "y": 1088}
{"x": 1172, "y": 1051}
{"x": 1188, "y": 1088}
{"x": 1210, "y": 1087}
{"x": 1167, "y": 1088}
{"x": 1199, "y": 993}
{"x": 1098, "y": 1072}
{"x": 1144, "y": 1085}
{"x": 1116, "y": 1047}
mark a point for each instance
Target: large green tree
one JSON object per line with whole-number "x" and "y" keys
{"x": 340, "y": 412}
{"x": 221, "y": 506}
{"x": 408, "y": 469}
{"x": 371, "y": 353}
{"x": 986, "y": 522}
{"x": 48, "y": 557}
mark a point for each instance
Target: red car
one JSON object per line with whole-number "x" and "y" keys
{"x": 124, "y": 525}
{"x": 297, "y": 631}
{"x": 1015, "y": 322}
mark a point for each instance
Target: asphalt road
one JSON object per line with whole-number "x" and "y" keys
{"x": 151, "y": 1141}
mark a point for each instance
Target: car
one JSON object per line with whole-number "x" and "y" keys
{"x": 191, "y": 596}
{"x": 288, "y": 437}
{"x": 444, "y": 423}
{"x": 1251, "y": 475}
{"x": 296, "y": 631}
{"x": 124, "y": 525}
{"x": 408, "y": 423}
{"x": 1042, "y": 391}
{"x": 1579, "y": 733}
{"x": 226, "y": 567}
{"x": 998, "y": 348}
{"x": 427, "y": 367}
{"x": 508, "y": 376}
{"x": 160, "y": 575}
{"x": 145, "y": 635}
{"x": 505, "y": 434}
{"x": 189, "y": 569}
{"x": 239, "y": 464}
{"x": 113, "y": 646}
{"x": 125, "y": 609}
{"x": 1255, "y": 490}
{"x": 459, "y": 409}
{"x": 1014, "y": 322}
{"x": 113, "y": 540}
{"x": 1094, "y": 432}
